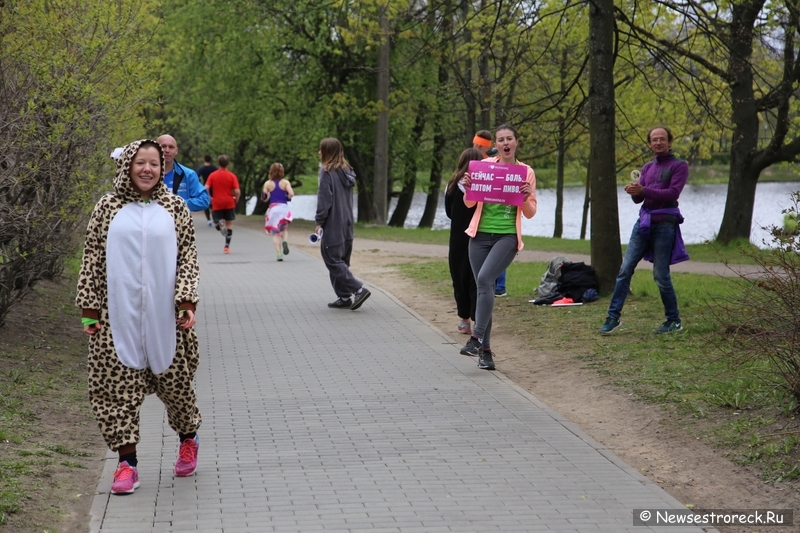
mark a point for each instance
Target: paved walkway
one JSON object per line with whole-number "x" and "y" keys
{"x": 336, "y": 420}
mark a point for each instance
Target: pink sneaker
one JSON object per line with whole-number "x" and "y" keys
{"x": 464, "y": 327}
{"x": 187, "y": 457}
{"x": 126, "y": 479}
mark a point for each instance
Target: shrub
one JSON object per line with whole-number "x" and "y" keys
{"x": 762, "y": 323}
{"x": 70, "y": 76}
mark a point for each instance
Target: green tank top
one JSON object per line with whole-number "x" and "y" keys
{"x": 498, "y": 218}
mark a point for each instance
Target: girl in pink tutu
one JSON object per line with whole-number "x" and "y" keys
{"x": 278, "y": 191}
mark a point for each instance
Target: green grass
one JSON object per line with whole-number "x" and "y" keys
{"x": 310, "y": 184}
{"x": 684, "y": 371}
{"x": 708, "y": 252}
{"x": 735, "y": 252}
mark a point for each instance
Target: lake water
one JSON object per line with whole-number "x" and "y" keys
{"x": 701, "y": 205}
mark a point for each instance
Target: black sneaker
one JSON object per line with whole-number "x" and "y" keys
{"x": 285, "y": 246}
{"x": 610, "y": 325}
{"x": 485, "y": 361}
{"x": 473, "y": 348}
{"x": 341, "y": 303}
{"x": 359, "y": 298}
{"x": 669, "y": 326}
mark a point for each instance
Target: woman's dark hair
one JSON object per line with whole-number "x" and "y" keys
{"x": 148, "y": 143}
{"x": 669, "y": 133}
{"x": 483, "y": 134}
{"x": 470, "y": 154}
{"x": 506, "y": 127}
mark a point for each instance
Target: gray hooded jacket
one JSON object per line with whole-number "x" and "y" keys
{"x": 335, "y": 205}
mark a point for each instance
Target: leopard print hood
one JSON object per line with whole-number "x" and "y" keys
{"x": 123, "y": 186}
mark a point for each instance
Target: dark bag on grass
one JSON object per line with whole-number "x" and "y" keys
{"x": 576, "y": 279}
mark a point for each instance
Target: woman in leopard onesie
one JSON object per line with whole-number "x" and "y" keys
{"x": 138, "y": 292}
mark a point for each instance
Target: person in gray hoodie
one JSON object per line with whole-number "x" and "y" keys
{"x": 335, "y": 218}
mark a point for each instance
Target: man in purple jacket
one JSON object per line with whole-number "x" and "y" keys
{"x": 656, "y": 235}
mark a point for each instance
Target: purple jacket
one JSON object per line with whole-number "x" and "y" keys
{"x": 679, "y": 253}
{"x": 663, "y": 179}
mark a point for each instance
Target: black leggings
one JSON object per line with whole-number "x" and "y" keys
{"x": 489, "y": 254}
{"x": 464, "y": 289}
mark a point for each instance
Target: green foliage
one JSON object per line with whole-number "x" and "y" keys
{"x": 790, "y": 224}
{"x": 282, "y": 81}
{"x": 763, "y": 321}
{"x": 286, "y": 73}
{"x": 73, "y": 74}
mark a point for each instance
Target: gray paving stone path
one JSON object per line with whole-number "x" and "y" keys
{"x": 335, "y": 420}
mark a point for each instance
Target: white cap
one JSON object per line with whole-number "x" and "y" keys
{"x": 116, "y": 153}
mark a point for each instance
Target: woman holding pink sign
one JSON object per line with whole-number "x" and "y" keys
{"x": 495, "y": 236}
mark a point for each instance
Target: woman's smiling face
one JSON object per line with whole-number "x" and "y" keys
{"x": 506, "y": 143}
{"x": 146, "y": 170}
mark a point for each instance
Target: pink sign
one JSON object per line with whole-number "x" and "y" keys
{"x": 496, "y": 183}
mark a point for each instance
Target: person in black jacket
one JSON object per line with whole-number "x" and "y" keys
{"x": 464, "y": 288}
{"x": 203, "y": 173}
{"x": 335, "y": 217}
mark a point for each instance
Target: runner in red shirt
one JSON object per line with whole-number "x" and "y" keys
{"x": 223, "y": 186}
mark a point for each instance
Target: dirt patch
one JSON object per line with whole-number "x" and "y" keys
{"x": 51, "y": 453}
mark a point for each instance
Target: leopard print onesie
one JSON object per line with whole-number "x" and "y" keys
{"x": 116, "y": 391}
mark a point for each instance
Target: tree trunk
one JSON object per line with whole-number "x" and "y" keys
{"x": 381, "y": 189}
{"x": 558, "y": 228}
{"x": 432, "y": 201}
{"x": 738, "y": 214}
{"x": 486, "y": 92}
{"x": 606, "y": 250}
{"x": 261, "y": 207}
{"x": 406, "y": 196}
{"x": 466, "y": 88}
{"x": 364, "y": 200}
{"x": 404, "y": 199}
{"x": 740, "y": 203}
{"x": 439, "y": 143}
{"x": 439, "y": 138}
{"x": 587, "y": 201}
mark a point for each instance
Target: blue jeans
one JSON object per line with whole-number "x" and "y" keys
{"x": 662, "y": 238}
{"x": 500, "y": 284}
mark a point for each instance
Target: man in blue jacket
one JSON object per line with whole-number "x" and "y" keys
{"x": 182, "y": 180}
{"x": 656, "y": 236}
